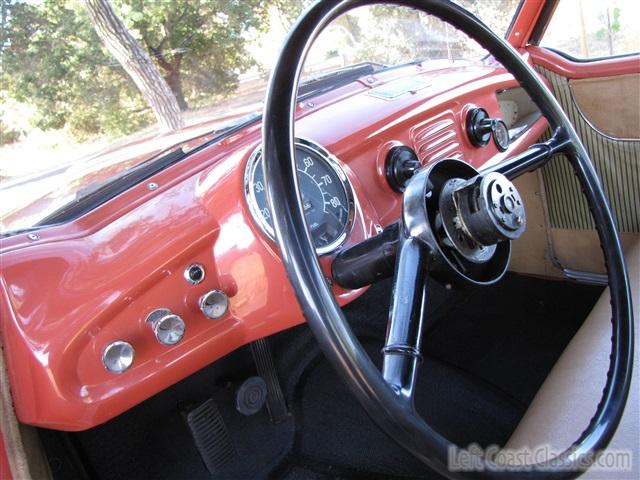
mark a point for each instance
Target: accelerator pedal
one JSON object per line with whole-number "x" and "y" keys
{"x": 266, "y": 368}
{"x": 210, "y": 436}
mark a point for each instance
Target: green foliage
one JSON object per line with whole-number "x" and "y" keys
{"x": 398, "y": 35}
{"x": 611, "y": 24}
{"x": 8, "y": 134}
{"x": 199, "y": 46}
{"x": 391, "y": 35}
{"x": 290, "y": 10}
{"x": 53, "y": 60}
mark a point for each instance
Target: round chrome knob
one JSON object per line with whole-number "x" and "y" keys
{"x": 214, "y": 304}
{"x": 118, "y": 356}
{"x": 167, "y": 327}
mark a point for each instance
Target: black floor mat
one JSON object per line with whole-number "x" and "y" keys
{"x": 487, "y": 350}
{"x": 335, "y": 434}
{"x": 152, "y": 441}
{"x": 510, "y": 334}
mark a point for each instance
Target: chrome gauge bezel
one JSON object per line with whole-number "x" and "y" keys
{"x": 312, "y": 147}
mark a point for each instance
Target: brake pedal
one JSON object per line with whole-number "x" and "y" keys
{"x": 210, "y": 436}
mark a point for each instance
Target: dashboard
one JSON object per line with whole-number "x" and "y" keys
{"x": 101, "y": 313}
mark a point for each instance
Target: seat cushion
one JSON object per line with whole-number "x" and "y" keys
{"x": 568, "y": 399}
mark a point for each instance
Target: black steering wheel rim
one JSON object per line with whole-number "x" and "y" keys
{"x": 384, "y": 404}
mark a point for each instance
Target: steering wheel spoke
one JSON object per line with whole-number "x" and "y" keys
{"x": 404, "y": 331}
{"x": 532, "y": 158}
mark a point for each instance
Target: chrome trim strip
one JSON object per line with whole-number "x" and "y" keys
{"x": 589, "y": 278}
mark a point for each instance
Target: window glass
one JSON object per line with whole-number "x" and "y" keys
{"x": 74, "y": 116}
{"x": 593, "y": 28}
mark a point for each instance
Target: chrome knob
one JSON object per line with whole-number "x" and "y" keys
{"x": 214, "y": 304}
{"x": 118, "y": 356}
{"x": 167, "y": 327}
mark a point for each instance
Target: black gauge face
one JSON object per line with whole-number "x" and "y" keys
{"x": 325, "y": 195}
{"x": 500, "y": 134}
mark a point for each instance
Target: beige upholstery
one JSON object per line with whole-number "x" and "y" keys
{"x": 602, "y": 104}
{"x": 569, "y": 396}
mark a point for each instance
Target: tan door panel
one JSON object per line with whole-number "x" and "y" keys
{"x": 580, "y": 249}
{"x": 598, "y": 108}
{"x": 610, "y": 104}
{"x": 530, "y": 254}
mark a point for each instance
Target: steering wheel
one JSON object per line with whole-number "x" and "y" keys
{"x": 423, "y": 249}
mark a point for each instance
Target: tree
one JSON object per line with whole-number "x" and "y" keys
{"x": 53, "y": 61}
{"x": 136, "y": 63}
{"x": 199, "y": 46}
{"x": 404, "y": 34}
{"x": 611, "y": 28}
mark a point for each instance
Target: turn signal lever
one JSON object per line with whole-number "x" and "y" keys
{"x": 368, "y": 261}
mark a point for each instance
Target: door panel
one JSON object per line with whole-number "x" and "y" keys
{"x": 610, "y": 105}
{"x": 601, "y": 108}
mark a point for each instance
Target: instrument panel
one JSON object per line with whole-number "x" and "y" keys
{"x": 327, "y": 195}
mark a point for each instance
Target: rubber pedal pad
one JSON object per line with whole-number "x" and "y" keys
{"x": 265, "y": 366}
{"x": 210, "y": 436}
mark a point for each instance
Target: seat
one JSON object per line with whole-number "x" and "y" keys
{"x": 568, "y": 398}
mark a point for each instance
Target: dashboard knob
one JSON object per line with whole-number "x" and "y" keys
{"x": 401, "y": 164}
{"x": 479, "y": 127}
{"x": 118, "y": 356}
{"x": 214, "y": 304}
{"x": 167, "y": 327}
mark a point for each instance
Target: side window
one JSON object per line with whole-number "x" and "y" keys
{"x": 593, "y": 29}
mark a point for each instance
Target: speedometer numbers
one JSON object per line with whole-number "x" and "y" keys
{"x": 327, "y": 198}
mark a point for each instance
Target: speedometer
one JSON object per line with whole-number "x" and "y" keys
{"x": 327, "y": 197}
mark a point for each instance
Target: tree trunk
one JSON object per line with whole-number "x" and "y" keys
{"x": 584, "y": 47}
{"x": 609, "y": 32}
{"x": 135, "y": 61}
{"x": 172, "y": 77}
{"x": 174, "y": 81}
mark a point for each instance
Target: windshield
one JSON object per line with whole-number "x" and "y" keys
{"x": 91, "y": 90}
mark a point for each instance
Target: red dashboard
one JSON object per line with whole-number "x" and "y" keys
{"x": 85, "y": 284}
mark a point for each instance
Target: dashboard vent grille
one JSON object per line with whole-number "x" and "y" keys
{"x": 436, "y": 139}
